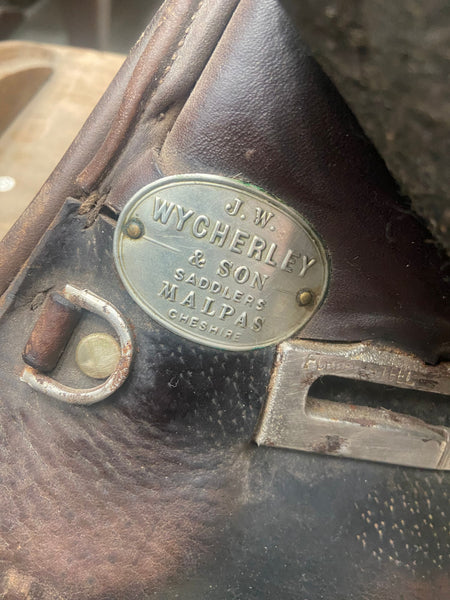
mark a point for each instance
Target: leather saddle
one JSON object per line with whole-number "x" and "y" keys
{"x": 148, "y": 483}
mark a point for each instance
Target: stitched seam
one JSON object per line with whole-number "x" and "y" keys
{"x": 175, "y": 55}
{"x": 197, "y": 80}
{"x": 136, "y": 118}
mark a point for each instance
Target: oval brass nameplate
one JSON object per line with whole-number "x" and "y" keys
{"x": 220, "y": 262}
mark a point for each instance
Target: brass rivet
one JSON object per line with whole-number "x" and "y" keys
{"x": 134, "y": 229}
{"x": 304, "y": 297}
{"x": 97, "y": 355}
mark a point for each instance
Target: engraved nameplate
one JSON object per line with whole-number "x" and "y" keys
{"x": 220, "y": 262}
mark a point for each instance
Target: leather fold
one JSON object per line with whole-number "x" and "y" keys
{"x": 227, "y": 87}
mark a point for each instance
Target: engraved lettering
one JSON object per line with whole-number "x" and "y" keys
{"x": 258, "y": 323}
{"x": 224, "y": 269}
{"x": 238, "y": 241}
{"x": 183, "y": 216}
{"x": 289, "y": 260}
{"x": 269, "y": 258}
{"x": 260, "y": 304}
{"x": 257, "y": 246}
{"x": 241, "y": 321}
{"x": 259, "y": 280}
{"x": 195, "y": 323}
{"x": 262, "y": 217}
{"x": 206, "y": 309}
{"x": 169, "y": 291}
{"x": 200, "y": 226}
{"x": 189, "y": 301}
{"x": 220, "y": 233}
{"x": 227, "y": 261}
{"x": 162, "y": 210}
{"x": 242, "y": 274}
{"x": 226, "y": 311}
{"x": 197, "y": 259}
{"x": 307, "y": 263}
{"x": 233, "y": 209}
{"x": 310, "y": 363}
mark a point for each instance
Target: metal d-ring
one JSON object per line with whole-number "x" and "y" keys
{"x": 46, "y": 385}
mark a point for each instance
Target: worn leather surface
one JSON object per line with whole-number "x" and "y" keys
{"x": 275, "y": 119}
{"x": 148, "y": 74}
{"x": 390, "y": 63}
{"x": 158, "y": 492}
{"x": 215, "y": 88}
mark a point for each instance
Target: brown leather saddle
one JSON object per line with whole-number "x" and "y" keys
{"x": 221, "y": 154}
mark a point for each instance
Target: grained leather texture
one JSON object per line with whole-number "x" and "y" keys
{"x": 162, "y": 61}
{"x": 228, "y": 88}
{"x": 271, "y": 117}
{"x": 158, "y": 492}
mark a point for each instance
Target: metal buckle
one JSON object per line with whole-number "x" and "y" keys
{"x": 291, "y": 419}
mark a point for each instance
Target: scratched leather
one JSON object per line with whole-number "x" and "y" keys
{"x": 271, "y": 117}
{"x": 147, "y": 79}
{"x": 264, "y": 112}
{"x": 227, "y": 87}
{"x": 158, "y": 491}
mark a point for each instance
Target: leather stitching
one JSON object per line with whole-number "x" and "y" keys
{"x": 180, "y": 44}
{"x": 211, "y": 55}
{"x": 107, "y": 154}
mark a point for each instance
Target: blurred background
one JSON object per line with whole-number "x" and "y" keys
{"x": 112, "y": 25}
